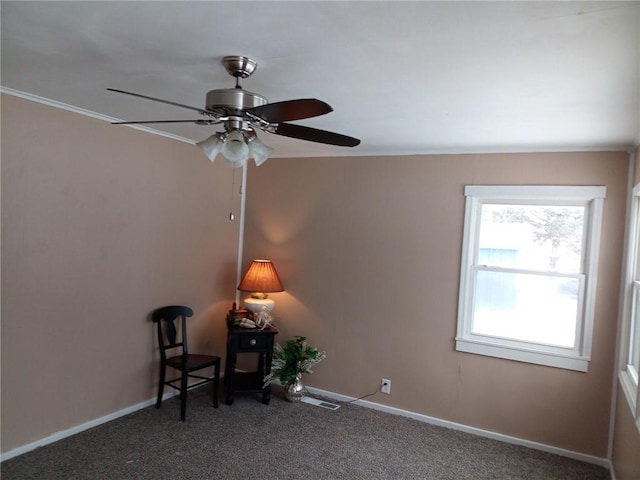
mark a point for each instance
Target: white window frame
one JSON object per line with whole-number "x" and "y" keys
{"x": 576, "y": 358}
{"x": 630, "y": 289}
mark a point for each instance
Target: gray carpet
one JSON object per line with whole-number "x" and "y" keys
{"x": 249, "y": 440}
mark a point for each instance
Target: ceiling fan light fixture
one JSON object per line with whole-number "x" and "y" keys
{"x": 259, "y": 151}
{"x": 211, "y": 146}
{"x": 242, "y": 112}
{"x": 235, "y": 150}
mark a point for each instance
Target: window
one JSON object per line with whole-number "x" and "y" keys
{"x": 528, "y": 278}
{"x": 630, "y": 340}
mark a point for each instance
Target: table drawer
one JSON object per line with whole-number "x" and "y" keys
{"x": 252, "y": 342}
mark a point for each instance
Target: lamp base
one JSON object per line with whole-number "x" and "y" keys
{"x": 261, "y": 310}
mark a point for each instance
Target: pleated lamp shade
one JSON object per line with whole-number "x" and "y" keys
{"x": 261, "y": 277}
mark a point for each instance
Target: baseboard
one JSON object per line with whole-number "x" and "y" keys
{"x": 603, "y": 462}
{"x": 81, "y": 428}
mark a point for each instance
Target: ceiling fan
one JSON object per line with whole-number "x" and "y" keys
{"x": 242, "y": 113}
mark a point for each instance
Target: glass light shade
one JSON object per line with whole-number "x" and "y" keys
{"x": 210, "y": 146}
{"x": 259, "y": 151}
{"x": 235, "y": 149}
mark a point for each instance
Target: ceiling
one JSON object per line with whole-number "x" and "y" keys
{"x": 404, "y": 77}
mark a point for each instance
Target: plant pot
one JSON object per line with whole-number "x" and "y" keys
{"x": 295, "y": 391}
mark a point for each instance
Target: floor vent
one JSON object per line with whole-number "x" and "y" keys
{"x": 320, "y": 403}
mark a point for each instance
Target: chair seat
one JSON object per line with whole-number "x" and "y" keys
{"x": 192, "y": 361}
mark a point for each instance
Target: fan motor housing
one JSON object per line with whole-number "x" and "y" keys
{"x": 235, "y": 99}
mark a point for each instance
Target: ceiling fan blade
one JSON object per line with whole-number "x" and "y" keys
{"x": 291, "y": 110}
{"x": 198, "y": 122}
{"x": 315, "y": 135}
{"x": 199, "y": 110}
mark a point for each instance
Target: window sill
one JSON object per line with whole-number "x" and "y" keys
{"x": 580, "y": 364}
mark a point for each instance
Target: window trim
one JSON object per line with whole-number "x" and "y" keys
{"x": 630, "y": 385}
{"x": 576, "y": 358}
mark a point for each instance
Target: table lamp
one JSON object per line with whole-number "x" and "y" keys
{"x": 261, "y": 278}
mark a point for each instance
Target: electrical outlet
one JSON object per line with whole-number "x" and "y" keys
{"x": 386, "y": 386}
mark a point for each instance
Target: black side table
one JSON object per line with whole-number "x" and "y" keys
{"x": 248, "y": 340}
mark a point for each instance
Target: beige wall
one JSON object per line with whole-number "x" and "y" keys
{"x": 369, "y": 253}
{"x": 626, "y": 437}
{"x": 101, "y": 224}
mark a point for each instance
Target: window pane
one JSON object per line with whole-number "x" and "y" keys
{"x": 526, "y": 307}
{"x": 636, "y": 254}
{"x": 634, "y": 354}
{"x": 532, "y": 237}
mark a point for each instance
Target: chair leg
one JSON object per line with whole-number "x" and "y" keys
{"x": 216, "y": 384}
{"x": 161, "y": 385}
{"x": 183, "y": 395}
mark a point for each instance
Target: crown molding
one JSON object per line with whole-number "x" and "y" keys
{"x": 432, "y": 151}
{"x": 89, "y": 113}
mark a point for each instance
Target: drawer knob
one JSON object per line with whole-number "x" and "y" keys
{"x": 252, "y": 342}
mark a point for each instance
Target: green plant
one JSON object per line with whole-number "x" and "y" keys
{"x": 294, "y": 359}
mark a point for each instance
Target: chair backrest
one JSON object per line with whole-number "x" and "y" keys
{"x": 171, "y": 319}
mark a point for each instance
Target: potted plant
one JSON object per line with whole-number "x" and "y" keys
{"x": 289, "y": 363}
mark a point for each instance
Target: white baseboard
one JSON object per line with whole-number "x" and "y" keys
{"x": 603, "y": 462}
{"x": 81, "y": 428}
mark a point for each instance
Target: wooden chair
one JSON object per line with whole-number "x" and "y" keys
{"x": 170, "y": 321}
